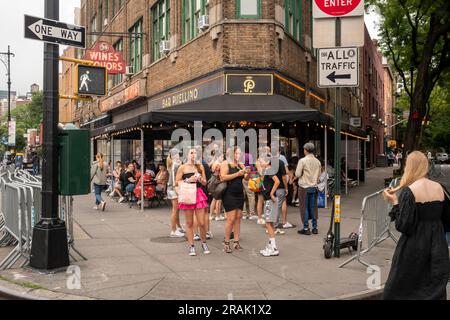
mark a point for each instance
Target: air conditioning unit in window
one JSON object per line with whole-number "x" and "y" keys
{"x": 203, "y": 22}
{"x": 129, "y": 70}
{"x": 164, "y": 46}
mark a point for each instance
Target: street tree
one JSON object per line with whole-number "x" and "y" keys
{"x": 415, "y": 36}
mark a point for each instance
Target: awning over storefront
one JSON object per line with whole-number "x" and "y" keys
{"x": 224, "y": 108}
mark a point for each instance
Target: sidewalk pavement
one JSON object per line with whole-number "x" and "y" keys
{"x": 130, "y": 256}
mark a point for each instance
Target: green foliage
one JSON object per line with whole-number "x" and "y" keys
{"x": 27, "y": 116}
{"x": 415, "y": 36}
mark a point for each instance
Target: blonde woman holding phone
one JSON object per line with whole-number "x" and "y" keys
{"x": 233, "y": 171}
{"x": 420, "y": 267}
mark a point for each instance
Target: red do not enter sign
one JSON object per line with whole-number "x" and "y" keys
{"x": 337, "y": 7}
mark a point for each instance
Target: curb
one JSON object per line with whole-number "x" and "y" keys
{"x": 9, "y": 294}
{"x": 362, "y": 295}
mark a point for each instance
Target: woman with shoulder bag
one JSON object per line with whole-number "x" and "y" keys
{"x": 173, "y": 163}
{"x": 191, "y": 199}
{"x": 99, "y": 172}
{"x": 216, "y": 204}
{"x": 233, "y": 171}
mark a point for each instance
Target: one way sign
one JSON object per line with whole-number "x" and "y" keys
{"x": 338, "y": 67}
{"x": 54, "y": 32}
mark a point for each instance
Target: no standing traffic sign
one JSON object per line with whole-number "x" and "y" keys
{"x": 338, "y": 67}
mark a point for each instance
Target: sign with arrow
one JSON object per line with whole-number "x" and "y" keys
{"x": 338, "y": 67}
{"x": 54, "y": 32}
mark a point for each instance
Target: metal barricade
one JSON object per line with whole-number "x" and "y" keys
{"x": 375, "y": 224}
{"x": 21, "y": 208}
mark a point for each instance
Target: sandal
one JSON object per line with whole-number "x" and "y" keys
{"x": 227, "y": 247}
{"x": 237, "y": 246}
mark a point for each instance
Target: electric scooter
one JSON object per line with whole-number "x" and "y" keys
{"x": 351, "y": 242}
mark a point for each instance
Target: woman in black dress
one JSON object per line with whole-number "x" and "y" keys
{"x": 420, "y": 266}
{"x": 233, "y": 171}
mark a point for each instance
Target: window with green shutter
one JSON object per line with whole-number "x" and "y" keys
{"x": 117, "y": 78}
{"x": 136, "y": 46}
{"x": 248, "y": 9}
{"x": 160, "y": 26}
{"x": 293, "y": 17}
{"x": 191, "y": 12}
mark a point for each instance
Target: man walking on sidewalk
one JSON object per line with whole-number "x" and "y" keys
{"x": 308, "y": 172}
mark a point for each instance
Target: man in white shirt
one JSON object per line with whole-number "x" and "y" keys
{"x": 308, "y": 172}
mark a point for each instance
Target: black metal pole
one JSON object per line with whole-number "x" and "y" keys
{"x": 9, "y": 85}
{"x": 49, "y": 247}
{"x": 337, "y": 154}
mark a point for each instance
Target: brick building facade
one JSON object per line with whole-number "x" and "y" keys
{"x": 258, "y": 40}
{"x": 374, "y": 100}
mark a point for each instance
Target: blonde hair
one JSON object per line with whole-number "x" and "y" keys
{"x": 100, "y": 160}
{"x": 416, "y": 168}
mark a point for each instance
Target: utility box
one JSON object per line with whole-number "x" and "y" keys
{"x": 74, "y": 162}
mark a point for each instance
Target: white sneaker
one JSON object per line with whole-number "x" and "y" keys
{"x": 122, "y": 199}
{"x": 95, "y": 208}
{"x": 279, "y": 231}
{"x": 244, "y": 217}
{"x": 253, "y": 218}
{"x": 269, "y": 251}
{"x": 192, "y": 251}
{"x": 287, "y": 225}
{"x": 261, "y": 221}
{"x": 196, "y": 237}
{"x": 220, "y": 218}
{"x": 209, "y": 235}
{"x": 211, "y": 218}
{"x": 112, "y": 194}
{"x": 181, "y": 230}
{"x": 205, "y": 248}
{"x": 176, "y": 234}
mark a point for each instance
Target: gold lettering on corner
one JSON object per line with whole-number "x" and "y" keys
{"x": 249, "y": 85}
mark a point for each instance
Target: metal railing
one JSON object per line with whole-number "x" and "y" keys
{"x": 21, "y": 208}
{"x": 375, "y": 224}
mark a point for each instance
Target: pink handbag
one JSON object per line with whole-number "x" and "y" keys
{"x": 187, "y": 193}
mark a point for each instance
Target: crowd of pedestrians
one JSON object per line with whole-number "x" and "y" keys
{"x": 231, "y": 187}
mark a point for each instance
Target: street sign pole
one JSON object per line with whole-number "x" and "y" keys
{"x": 337, "y": 152}
{"x": 49, "y": 247}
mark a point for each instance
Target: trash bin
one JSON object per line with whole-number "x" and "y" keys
{"x": 382, "y": 160}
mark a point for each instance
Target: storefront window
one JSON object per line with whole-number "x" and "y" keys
{"x": 248, "y": 9}
{"x": 160, "y": 26}
{"x": 192, "y": 10}
{"x": 294, "y": 18}
{"x": 136, "y": 46}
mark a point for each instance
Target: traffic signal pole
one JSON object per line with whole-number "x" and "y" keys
{"x": 49, "y": 248}
{"x": 337, "y": 156}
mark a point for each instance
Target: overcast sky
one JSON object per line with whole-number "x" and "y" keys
{"x": 26, "y": 66}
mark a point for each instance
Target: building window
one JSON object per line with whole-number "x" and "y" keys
{"x": 192, "y": 10}
{"x": 294, "y": 18}
{"x": 136, "y": 46}
{"x": 94, "y": 29}
{"x": 117, "y": 78}
{"x": 160, "y": 26}
{"x": 116, "y": 5}
{"x": 248, "y": 9}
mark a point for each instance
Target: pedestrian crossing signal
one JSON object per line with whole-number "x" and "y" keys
{"x": 91, "y": 80}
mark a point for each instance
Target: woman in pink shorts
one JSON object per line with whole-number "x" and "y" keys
{"x": 194, "y": 172}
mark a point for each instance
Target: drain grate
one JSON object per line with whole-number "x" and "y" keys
{"x": 167, "y": 240}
